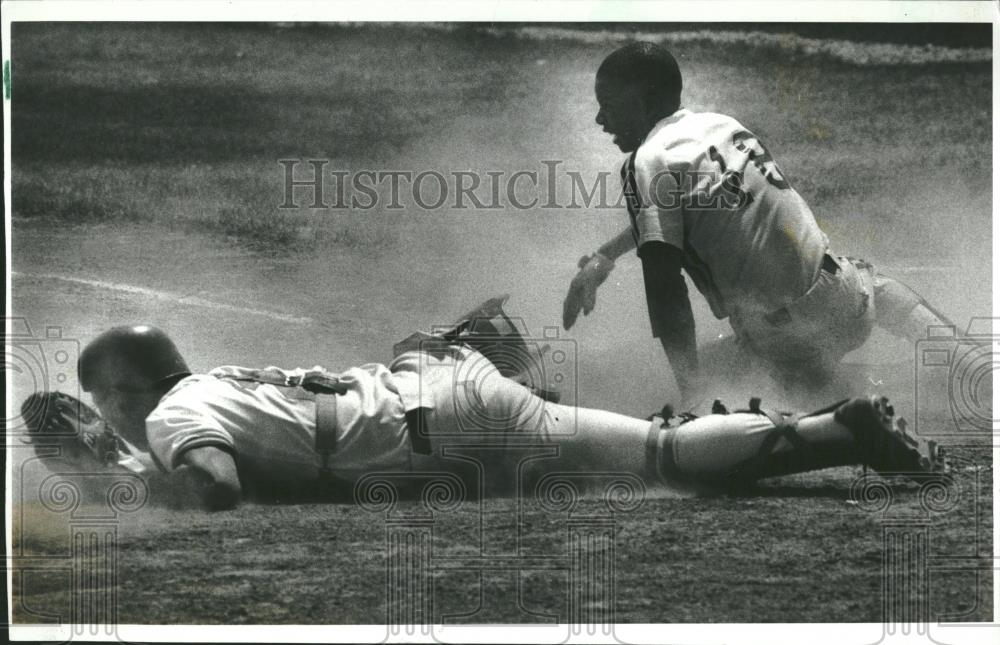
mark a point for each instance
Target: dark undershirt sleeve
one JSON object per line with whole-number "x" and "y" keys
{"x": 670, "y": 308}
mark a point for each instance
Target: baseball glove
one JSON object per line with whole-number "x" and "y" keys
{"x": 55, "y": 419}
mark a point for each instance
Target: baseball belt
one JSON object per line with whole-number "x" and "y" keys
{"x": 323, "y": 390}
{"x": 320, "y": 388}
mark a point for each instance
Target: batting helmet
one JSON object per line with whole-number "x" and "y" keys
{"x": 144, "y": 348}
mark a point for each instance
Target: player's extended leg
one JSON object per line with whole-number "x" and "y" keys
{"x": 902, "y": 311}
{"x": 478, "y": 405}
{"x": 591, "y": 439}
{"x": 510, "y": 430}
{"x": 746, "y": 446}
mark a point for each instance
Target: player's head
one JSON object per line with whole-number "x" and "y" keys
{"x": 636, "y": 86}
{"x": 127, "y": 370}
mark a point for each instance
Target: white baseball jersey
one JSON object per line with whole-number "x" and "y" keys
{"x": 272, "y": 434}
{"x": 706, "y": 185}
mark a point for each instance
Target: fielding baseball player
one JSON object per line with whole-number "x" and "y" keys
{"x": 233, "y": 430}
{"x": 705, "y": 196}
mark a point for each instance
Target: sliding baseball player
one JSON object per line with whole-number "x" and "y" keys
{"x": 237, "y": 432}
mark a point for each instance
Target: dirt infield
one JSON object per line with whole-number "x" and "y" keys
{"x": 146, "y": 187}
{"x": 801, "y": 550}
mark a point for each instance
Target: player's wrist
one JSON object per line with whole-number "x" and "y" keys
{"x": 608, "y": 252}
{"x": 601, "y": 263}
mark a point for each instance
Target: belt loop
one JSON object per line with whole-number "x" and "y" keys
{"x": 416, "y": 427}
{"x": 326, "y": 428}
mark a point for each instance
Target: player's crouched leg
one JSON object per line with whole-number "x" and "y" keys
{"x": 903, "y": 312}
{"x": 807, "y": 338}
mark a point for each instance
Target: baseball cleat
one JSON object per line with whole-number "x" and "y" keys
{"x": 885, "y": 441}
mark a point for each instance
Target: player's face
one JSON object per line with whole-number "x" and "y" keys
{"x": 622, "y": 113}
{"x": 124, "y": 411}
{"x": 125, "y": 403}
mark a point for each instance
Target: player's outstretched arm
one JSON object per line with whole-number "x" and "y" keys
{"x": 619, "y": 245}
{"x": 594, "y": 270}
{"x": 210, "y": 474}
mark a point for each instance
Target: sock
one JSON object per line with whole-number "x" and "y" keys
{"x": 902, "y": 312}
{"x": 743, "y": 447}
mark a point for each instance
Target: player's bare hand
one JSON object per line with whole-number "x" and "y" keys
{"x": 582, "y": 296}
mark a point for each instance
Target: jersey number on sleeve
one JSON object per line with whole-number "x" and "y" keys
{"x": 732, "y": 194}
{"x": 748, "y": 144}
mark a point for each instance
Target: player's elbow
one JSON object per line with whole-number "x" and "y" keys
{"x": 221, "y": 496}
{"x": 213, "y": 475}
{"x": 222, "y": 490}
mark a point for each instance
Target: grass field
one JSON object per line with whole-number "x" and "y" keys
{"x": 146, "y": 157}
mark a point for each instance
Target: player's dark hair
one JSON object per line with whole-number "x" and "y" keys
{"x": 649, "y": 66}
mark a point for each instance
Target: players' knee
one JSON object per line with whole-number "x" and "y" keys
{"x": 893, "y": 302}
{"x": 902, "y": 312}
